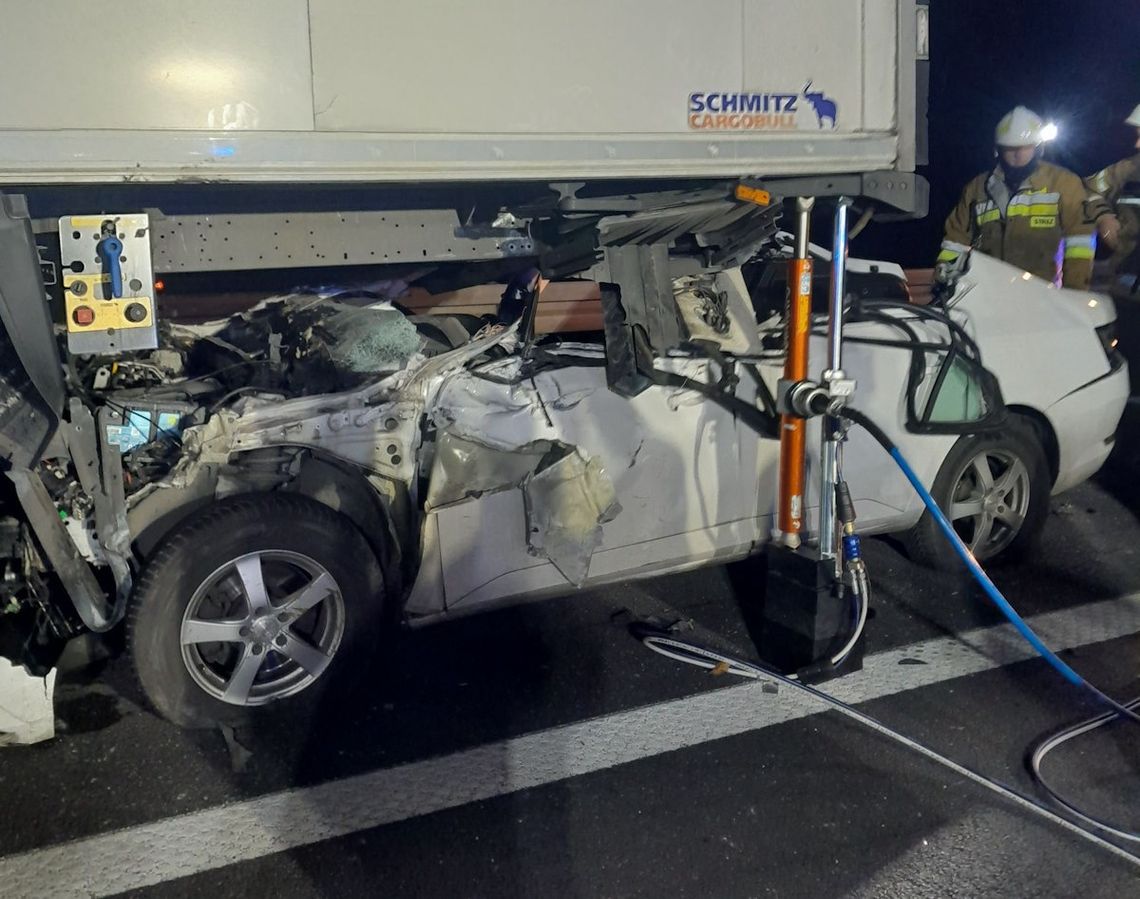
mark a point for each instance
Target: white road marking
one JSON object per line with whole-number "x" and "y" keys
{"x": 200, "y": 841}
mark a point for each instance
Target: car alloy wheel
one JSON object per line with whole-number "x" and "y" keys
{"x": 990, "y": 500}
{"x": 262, "y": 627}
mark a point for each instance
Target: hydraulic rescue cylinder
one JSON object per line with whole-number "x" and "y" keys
{"x": 789, "y": 519}
{"x": 805, "y": 612}
{"x": 829, "y": 450}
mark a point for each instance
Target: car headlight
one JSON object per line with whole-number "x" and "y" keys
{"x": 1111, "y": 345}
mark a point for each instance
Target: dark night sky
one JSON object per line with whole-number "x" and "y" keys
{"x": 1075, "y": 62}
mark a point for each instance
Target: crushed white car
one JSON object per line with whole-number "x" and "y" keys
{"x": 285, "y": 481}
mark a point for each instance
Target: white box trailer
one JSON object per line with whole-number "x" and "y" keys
{"x": 442, "y": 90}
{"x": 635, "y": 143}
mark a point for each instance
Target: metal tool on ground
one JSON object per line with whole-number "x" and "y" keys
{"x": 665, "y": 643}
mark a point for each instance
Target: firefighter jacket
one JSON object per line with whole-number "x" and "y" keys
{"x": 1107, "y": 187}
{"x": 1042, "y": 226}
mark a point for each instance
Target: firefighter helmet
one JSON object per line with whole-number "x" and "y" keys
{"x": 1020, "y": 127}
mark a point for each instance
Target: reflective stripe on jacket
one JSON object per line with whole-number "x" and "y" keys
{"x": 1043, "y": 226}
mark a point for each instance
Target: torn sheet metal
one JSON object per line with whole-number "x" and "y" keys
{"x": 493, "y": 406}
{"x": 26, "y": 710}
{"x": 567, "y": 502}
{"x": 82, "y": 534}
{"x": 466, "y": 469}
{"x": 423, "y": 379}
{"x": 376, "y": 427}
{"x": 565, "y": 398}
{"x": 381, "y": 439}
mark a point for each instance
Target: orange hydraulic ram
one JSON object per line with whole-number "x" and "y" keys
{"x": 789, "y": 519}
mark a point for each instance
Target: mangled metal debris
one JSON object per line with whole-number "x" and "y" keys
{"x": 303, "y": 344}
{"x": 395, "y": 420}
{"x": 568, "y": 499}
{"x": 466, "y": 469}
{"x": 360, "y": 382}
{"x": 377, "y": 426}
{"x": 567, "y": 496}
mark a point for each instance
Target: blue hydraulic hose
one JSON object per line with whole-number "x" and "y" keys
{"x": 979, "y": 573}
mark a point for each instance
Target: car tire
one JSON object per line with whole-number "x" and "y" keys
{"x": 1012, "y": 503}
{"x": 290, "y": 589}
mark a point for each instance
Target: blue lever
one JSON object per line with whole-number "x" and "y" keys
{"x": 111, "y": 248}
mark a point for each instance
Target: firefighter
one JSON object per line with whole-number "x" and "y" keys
{"x": 1118, "y": 224}
{"x": 1030, "y": 213}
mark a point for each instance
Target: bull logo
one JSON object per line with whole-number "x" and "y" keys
{"x": 823, "y": 105}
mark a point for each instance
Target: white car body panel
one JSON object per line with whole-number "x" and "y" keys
{"x": 1019, "y": 321}
{"x": 695, "y": 485}
{"x": 675, "y": 461}
{"x": 1039, "y": 341}
{"x": 1084, "y": 423}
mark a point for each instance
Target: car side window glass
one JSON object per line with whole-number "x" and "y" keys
{"x": 959, "y": 396}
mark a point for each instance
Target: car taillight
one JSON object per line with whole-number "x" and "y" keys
{"x": 1111, "y": 345}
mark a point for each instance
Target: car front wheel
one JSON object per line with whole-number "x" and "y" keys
{"x": 259, "y": 602}
{"x": 995, "y": 489}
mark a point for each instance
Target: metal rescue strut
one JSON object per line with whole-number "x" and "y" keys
{"x": 793, "y": 429}
{"x": 807, "y": 621}
{"x": 838, "y": 387}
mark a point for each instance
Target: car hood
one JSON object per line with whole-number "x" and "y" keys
{"x": 1039, "y": 340}
{"x": 990, "y": 281}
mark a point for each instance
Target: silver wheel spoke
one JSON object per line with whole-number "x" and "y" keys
{"x": 983, "y": 529}
{"x": 304, "y": 654}
{"x": 249, "y": 571}
{"x": 1013, "y": 475}
{"x": 198, "y": 631}
{"x": 1011, "y": 518}
{"x": 967, "y": 508}
{"x": 313, "y": 593}
{"x": 237, "y": 690}
{"x": 982, "y": 470}
{"x": 237, "y": 639}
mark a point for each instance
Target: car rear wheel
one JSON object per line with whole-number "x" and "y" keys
{"x": 995, "y": 489}
{"x": 258, "y": 603}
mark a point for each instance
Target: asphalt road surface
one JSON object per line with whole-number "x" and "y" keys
{"x": 543, "y": 751}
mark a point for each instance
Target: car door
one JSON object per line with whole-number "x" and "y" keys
{"x": 684, "y": 469}
{"x": 692, "y": 483}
